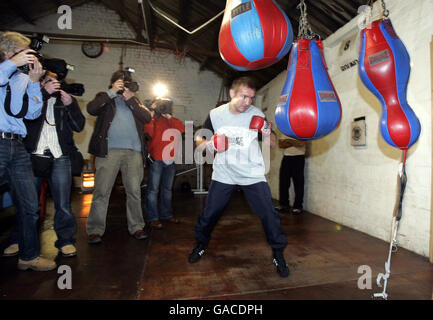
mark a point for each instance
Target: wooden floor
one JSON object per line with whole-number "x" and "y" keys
{"x": 323, "y": 258}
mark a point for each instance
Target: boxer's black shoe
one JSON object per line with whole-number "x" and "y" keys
{"x": 196, "y": 253}
{"x": 280, "y": 263}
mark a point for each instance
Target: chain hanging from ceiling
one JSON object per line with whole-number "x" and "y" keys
{"x": 304, "y": 30}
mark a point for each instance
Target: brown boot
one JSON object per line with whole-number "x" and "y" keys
{"x": 69, "y": 250}
{"x": 12, "y": 250}
{"x": 37, "y": 264}
{"x": 155, "y": 224}
{"x": 172, "y": 220}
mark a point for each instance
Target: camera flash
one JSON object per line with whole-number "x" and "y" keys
{"x": 160, "y": 90}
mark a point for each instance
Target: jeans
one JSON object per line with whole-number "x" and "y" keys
{"x": 160, "y": 180}
{"x": 60, "y": 184}
{"x": 16, "y": 168}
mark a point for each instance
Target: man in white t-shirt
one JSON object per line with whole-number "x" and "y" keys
{"x": 292, "y": 167}
{"x": 237, "y": 127}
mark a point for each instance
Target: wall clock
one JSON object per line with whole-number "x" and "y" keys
{"x": 92, "y": 49}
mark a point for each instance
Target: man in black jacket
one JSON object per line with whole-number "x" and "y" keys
{"x": 50, "y": 142}
{"x": 118, "y": 144}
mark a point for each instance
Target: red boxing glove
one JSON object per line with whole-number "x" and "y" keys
{"x": 260, "y": 124}
{"x": 218, "y": 143}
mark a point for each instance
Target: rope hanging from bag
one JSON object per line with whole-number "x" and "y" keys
{"x": 398, "y": 212}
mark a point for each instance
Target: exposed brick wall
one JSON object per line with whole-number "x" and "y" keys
{"x": 194, "y": 92}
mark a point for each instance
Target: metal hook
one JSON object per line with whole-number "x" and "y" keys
{"x": 385, "y": 10}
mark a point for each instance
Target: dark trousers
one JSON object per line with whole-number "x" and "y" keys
{"x": 259, "y": 198}
{"x": 292, "y": 167}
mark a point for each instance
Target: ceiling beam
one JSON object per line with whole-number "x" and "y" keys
{"x": 120, "y": 8}
{"x": 349, "y": 8}
{"x": 19, "y": 10}
{"x": 329, "y": 12}
{"x": 148, "y": 19}
{"x": 185, "y": 12}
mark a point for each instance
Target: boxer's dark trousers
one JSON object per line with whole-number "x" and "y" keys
{"x": 259, "y": 198}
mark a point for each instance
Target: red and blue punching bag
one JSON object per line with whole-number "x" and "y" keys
{"x": 254, "y": 34}
{"x": 309, "y": 107}
{"x": 384, "y": 69}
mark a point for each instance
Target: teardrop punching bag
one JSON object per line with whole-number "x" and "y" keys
{"x": 254, "y": 34}
{"x": 309, "y": 107}
{"x": 384, "y": 69}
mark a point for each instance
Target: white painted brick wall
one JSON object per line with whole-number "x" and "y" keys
{"x": 357, "y": 187}
{"x": 195, "y": 92}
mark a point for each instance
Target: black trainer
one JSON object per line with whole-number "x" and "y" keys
{"x": 280, "y": 263}
{"x": 196, "y": 253}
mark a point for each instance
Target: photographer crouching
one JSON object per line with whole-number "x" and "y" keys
{"x": 118, "y": 143}
{"x": 20, "y": 98}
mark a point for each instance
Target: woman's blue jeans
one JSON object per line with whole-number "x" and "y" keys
{"x": 160, "y": 181}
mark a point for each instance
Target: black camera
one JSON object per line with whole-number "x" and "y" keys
{"x": 132, "y": 86}
{"x": 126, "y": 76}
{"x": 75, "y": 89}
{"x": 57, "y": 66}
{"x": 162, "y": 106}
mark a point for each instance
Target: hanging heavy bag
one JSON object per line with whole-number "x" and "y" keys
{"x": 308, "y": 107}
{"x": 384, "y": 67}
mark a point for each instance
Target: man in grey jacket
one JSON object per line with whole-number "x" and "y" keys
{"x": 118, "y": 144}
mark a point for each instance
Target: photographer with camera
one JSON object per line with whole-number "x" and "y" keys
{"x": 118, "y": 143}
{"x": 50, "y": 142}
{"x": 20, "y": 98}
{"x": 162, "y": 167}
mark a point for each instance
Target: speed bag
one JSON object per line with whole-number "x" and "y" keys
{"x": 384, "y": 68}
{"x": 308, "y": 107}
{"x": 254, "y": 34}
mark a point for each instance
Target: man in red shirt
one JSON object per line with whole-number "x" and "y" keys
{"x": 165, "y": 132}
